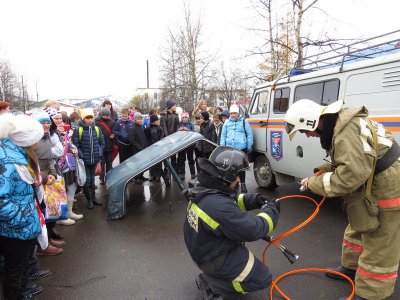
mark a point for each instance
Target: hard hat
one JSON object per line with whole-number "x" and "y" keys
{"x": 304, "y": 115}
{"x": 229, "y": 162}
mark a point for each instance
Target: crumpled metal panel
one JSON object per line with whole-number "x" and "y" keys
{"x": 118, "y": 177}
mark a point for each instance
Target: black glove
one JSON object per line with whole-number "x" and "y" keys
{"x": 272, "y": 211}
{"x": 262, "y": 200}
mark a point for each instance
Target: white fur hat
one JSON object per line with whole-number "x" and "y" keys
{"x": 22, "y": 130}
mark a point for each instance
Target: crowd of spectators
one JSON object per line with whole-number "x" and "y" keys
{"x": 40, "y": 148}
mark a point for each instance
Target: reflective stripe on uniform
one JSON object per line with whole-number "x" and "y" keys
{"x": 385, "y": 141}
{"x": 389, "y": 203}
{"x": 354, "y": 247}
{"x": 206, "y": 218}
{"x": 268, "y": 219}
{"x": 365, "y": 133}
{"x": 379, "y": 277}
{"x": 326, "y": 181}
{"x": 242, "y": 276}
{"x": 240, "y": 202}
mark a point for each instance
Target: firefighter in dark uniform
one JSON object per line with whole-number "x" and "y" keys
{"x": 217, "y": 225}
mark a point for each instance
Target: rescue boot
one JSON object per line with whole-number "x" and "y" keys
{"x": 71, "y": 214}
{"x": 243, "y": 188}
{"x": 206, "y": 292}
{"x": 346, "y": 271}
{"x": 94, "y": 200}
{"x": 88, "y": 195}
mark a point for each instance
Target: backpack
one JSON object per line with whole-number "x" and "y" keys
{"x": 80, "y": 131}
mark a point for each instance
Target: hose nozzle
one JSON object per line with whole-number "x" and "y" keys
{"x": 290, "y": 255}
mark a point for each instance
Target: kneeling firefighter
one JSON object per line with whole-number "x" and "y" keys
{"x": 217, "y": 225}
{"x": 365, "y": 170}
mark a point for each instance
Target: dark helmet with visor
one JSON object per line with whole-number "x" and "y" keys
{"x": 230, "y": 162}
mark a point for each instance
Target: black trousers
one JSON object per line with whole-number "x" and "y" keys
{"x": 187, "y": 153}
{"x": 221, "y": 281}
{"x": 106, "y": 163}
{"x": 124, "y": 151}
{"x": 16, "y": 254}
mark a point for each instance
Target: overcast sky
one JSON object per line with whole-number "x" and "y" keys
{"x": 85, "y": 49}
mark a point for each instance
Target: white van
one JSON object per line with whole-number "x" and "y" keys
{"x": 370, "y": 77}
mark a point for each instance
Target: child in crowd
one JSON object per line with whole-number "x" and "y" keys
{"x": 154, "y": 133}
{"x": 208, "y": 131}
{"x": 44, "y": 155}
{"x": 74, "y": 119}
{"x": 90, "y": 143}
{"x": 218, "y": 126}
{"x": 121, "y": 132}
{"x": 106, "y": 124}
{"x": 185, "y": 125}
{"x": 138, "y": 140}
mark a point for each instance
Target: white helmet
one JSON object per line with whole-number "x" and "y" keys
{"x": 304, "y": 115}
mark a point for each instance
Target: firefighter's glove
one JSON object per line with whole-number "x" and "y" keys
{"x": 272, "y": 211}
{"x": 304, "y": 185}
{"x": 262, "y": 200}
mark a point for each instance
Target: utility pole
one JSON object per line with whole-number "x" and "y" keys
{"x": 23, "y": 94}
{"x": 37, "y": 94}
{"x": 147, "y": 66}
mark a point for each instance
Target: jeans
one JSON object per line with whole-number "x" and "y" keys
{"x": 90, "y": 175}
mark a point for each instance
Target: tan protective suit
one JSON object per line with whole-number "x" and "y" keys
{"x": 375, "y": 255}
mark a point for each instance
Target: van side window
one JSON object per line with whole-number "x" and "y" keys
{"x": 281, "y": 100}
{"x": 323, "y": 93}
{"x": 260, "y": 103}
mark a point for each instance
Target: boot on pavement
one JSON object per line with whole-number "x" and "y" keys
{"x": 54, "y": 234}
{"x": 49, "y": 251}
{"x": 57, "y": 244}
{"x": 88, "y": 196}
{"x": 71, "y": 214}
{"x": 41, "y": 273}
{"x": 94, "y": 200}
{"x": 66, "y": 222}
{"x": 346, "y": 271}
{"x": 207, "y": 293}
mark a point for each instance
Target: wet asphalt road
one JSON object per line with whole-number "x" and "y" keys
{"x": 143, "y": 255}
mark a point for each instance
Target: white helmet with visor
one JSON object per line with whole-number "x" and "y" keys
{"x": 304, "y": 115}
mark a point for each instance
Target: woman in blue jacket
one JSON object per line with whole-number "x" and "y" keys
{"x": 19, "y": 219}
{"x": 236, "y": 133}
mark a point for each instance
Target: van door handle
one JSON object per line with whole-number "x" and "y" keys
{"x": 262, "y": 123}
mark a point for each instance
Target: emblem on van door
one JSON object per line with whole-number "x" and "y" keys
{"x": 276, "y": 145}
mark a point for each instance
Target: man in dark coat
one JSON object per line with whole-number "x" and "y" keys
{"x": 169, "y": 124}
{"x": 138, "y": 140}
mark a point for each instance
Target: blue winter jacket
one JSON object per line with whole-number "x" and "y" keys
{"x": 90, "y": 147}
{"x": 235, "y": 135}
{"x": 121, "y": 130}
{"x": 19, "y": 218}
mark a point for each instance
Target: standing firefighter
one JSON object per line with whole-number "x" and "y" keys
{"x": 365, "y": 169}
{"x": 217, "y": 224}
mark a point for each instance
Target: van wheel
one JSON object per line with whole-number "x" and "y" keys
{"x": 263, "y": 174}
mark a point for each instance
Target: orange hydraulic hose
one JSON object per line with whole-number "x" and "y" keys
{"x": 275, "y": 241}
